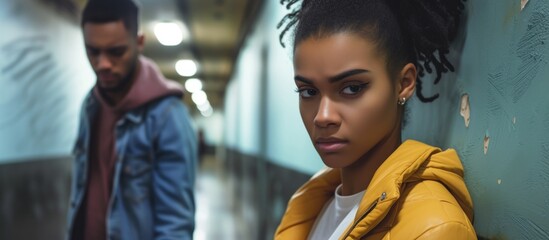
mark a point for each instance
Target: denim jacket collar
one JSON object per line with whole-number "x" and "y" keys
{"x": 134, "y": 116}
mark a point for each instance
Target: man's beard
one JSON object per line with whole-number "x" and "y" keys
{"x": 124, "y": 84}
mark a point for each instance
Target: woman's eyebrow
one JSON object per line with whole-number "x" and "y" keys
{"x": 347, "y": 74}
{"x": 336, "y": 78}
{"x": 302, "y": 79}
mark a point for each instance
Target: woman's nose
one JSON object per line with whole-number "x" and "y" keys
{"x": 327, "y": 114}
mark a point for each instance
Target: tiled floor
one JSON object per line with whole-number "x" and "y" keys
{"x": 215, "y": 215}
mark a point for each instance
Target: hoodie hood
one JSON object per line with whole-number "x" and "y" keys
{"x": 412, "y": 161}
{"x": 148, "y": 86}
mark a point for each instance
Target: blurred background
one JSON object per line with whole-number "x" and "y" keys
{"x": 494, "y": 111}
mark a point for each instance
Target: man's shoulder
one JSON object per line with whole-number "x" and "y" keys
{"x": 165, "y": 108}
{"x": 166, "y": 103}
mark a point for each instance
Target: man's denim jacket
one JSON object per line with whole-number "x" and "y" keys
{"x": 153, "y": 183}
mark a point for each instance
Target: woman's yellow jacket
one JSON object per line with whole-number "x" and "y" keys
{"x": 417, "y": 193}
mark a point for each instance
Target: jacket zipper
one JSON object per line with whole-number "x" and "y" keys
{"x": 374, "y": 204}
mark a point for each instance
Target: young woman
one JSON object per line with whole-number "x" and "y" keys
{"x": 356, "y": 63}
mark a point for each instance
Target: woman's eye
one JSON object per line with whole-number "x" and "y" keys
{"x": 306, "y": 92}
{"x": 353, "y": 89}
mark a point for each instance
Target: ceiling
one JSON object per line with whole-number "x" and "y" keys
{"x": 217, "y": 29}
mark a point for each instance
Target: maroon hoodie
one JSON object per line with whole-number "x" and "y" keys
{"x": 148, "y": 86}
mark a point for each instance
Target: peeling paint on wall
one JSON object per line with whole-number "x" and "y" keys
{"x": 504, "y": 71}
{"x": 523, "y": 4}
{"x": 465, "y": 110}
{"x": 486, "y": 142}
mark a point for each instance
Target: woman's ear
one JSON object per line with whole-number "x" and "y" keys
{"x": 407, "y": 81}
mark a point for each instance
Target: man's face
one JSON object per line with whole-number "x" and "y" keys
{"x": 113, "y": 53}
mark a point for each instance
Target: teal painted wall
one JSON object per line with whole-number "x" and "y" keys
{"x": 503, "y": 68}
{"x": 502, "y": 61}
{"x": 267, "y": 121}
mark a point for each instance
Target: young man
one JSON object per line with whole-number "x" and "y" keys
{"x": 135, "y": 155}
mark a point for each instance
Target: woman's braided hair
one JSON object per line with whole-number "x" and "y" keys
{"x": 416, "y": 31}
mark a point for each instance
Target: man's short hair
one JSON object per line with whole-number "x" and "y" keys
{"x": 104, "y": 11}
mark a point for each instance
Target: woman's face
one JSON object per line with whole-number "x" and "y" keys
{"x": 348, "y": 102}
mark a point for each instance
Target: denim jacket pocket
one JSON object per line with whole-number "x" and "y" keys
{"x": 136, "y": 178}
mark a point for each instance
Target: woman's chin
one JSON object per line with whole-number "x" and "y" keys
{"x": 333, "y": 160}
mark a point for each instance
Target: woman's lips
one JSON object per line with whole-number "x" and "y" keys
{"x": 330, "y": 144}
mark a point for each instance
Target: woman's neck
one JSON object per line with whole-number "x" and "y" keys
{"x": 356, "y": 177}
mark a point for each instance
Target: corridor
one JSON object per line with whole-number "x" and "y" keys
{"x": 238, "y": 86}
{"x": 216, "y": 217}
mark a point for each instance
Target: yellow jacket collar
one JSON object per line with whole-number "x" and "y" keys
{"x": 411, "y": 161}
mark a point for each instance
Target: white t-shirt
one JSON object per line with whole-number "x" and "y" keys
{"x": 334, "y": 214}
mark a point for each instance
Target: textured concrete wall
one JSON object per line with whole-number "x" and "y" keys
{"x": 495, "y": 112}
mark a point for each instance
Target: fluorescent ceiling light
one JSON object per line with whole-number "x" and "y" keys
{"x": 186, "y": 67}
{"x": 204, "y": 106}
{"x": 207, "y": 113}
{"x": 168, "y": 33}
{"x": 193, "y": 85}
{"x": 199, "y": 98}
